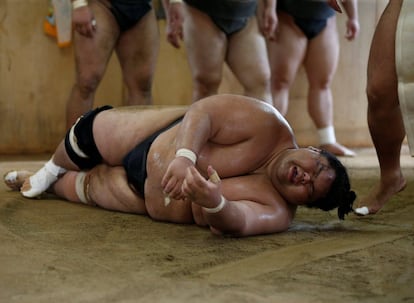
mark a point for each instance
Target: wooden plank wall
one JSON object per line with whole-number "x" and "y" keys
{"x": 36, "y": 76}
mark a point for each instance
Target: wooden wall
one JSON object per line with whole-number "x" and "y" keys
{"x": 36, "y": 76}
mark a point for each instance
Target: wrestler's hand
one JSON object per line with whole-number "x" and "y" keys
{"x": 175, "y": 20}
{"x": 352, "y": 29}
{"x": 206, "y": 193}
{"x": 84, "y": 21}
{"x": 267, "y": 19}
{"x": 174, "y": 177}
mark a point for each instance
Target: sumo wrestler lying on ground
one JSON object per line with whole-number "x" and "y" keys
{"x": 159, "y": 162}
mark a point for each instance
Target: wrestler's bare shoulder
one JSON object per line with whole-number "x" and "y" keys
{"x": 150, "y": 108}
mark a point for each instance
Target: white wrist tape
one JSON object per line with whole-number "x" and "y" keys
{"x": 176, "y": 1}
{"x": 217, "y": 208}
{"x": 327, "y": 135}
{"x": 186, "y": 153}
{"x": 79, "y": 3}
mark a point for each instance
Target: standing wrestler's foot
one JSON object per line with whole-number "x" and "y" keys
{"x": 14, "y": 179}
{"x": 379, "y": 195}
{"x": 338, "y": 150}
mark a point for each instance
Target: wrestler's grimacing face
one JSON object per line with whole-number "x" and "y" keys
{"x": 304, "y": 176}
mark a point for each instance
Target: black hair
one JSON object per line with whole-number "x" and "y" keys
{"x": 340, "y": 194}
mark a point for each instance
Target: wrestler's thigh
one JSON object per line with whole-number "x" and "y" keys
{"x": 287, "y": 52}
{"x": 247, "y": 52}
{"x": 137, "y": 48}
{"x": 382, "y": 76}
{"x": 321, "y": 58}
{"x": 109, "y": 189}
{"x": 206, "y": 45}
{"x": 93, "y": 53}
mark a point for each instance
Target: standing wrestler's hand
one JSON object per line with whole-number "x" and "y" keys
{"x": 84, "y": 21}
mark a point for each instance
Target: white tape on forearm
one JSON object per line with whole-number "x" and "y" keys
{"x": 79, "y": 3}
{"x": 186, "y": 153}
{"x": 176, "y": 1}
{"x": 217, "y": 208}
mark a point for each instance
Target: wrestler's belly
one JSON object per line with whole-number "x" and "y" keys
{"x": 159, "y": 157}
{"x": 176, "y": 211}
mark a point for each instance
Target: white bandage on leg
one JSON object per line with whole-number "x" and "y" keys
{"x": 43, "y": 178}
{"x": 80, "y": 187}
{"x": 326, "y": 135}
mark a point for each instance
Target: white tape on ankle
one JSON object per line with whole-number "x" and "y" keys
{"x": 326, "y": 135}
{"x": 54, "y": 169}
{"x": 39, "y": 183}
{"x": 43, "y": 178}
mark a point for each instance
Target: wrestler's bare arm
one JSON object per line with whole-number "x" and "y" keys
{"x": 248, "y": 218}
{"x": 225, "y": 120}
{"x": 261, "y": 211}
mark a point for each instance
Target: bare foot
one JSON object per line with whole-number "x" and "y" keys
{"x": 379, "y": 196}
{"x": 338, "y": 150}
{"x": 14, "y": 179}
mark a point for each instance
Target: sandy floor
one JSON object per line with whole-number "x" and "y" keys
{"x": 54, "y": 251}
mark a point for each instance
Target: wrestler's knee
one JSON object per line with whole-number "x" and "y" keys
{"x": 88, "y": 83}
{"x": 381, "y": 94}
{"x": 207, "y": 84}
{"x": 139, "y": 89}
{"x": 79, "y": 141}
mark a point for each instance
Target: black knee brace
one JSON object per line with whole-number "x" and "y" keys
{"x": 83, "y": 132}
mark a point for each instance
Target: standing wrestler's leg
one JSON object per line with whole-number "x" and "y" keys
{"x": 91, "y": 58}
{"x": 320, "y": 64}
{"x": 247, "y": 58}
{"x": 384, "y": 111}
{"x": 137, "y": 51}
{"x": 286, "y": 54}
{"x": 206, "y": 46}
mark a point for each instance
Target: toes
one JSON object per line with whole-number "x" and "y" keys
{"x": 14, "y": 179}
{"x": 10, "y": 179}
